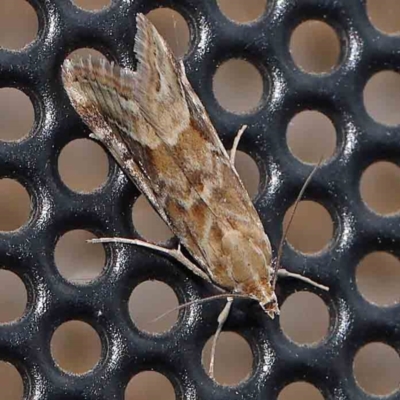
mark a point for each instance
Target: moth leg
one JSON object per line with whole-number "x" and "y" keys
{"x": 283, "y": 273}
{"x": 236, "y": 143}
{"x": 176, "y": 254}
{"x": 223, "y": 316}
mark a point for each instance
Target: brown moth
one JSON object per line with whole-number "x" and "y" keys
{"x": 159, "y": 132}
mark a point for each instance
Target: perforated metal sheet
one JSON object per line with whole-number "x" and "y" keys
{"x": 29, "y": 252}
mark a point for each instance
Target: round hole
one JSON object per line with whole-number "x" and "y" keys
{"x": 384, "y": 14}
{"x": 380, "y": 187}
{"x": 12, "y": 297}
{"x": 304, "y": 330}
{"x": 12, "y": 387}
{"x": 18, "y": 24}
{"x": 242, "y": 11}
{"x": 173, "y": 28}
{"x": 85, "y": 52}
{"x": 17, "y": 115}
{"x": 248, "y": 172}
{"x": 378, "y": 278}
{"x": 76, "y": 260}
{"x": 83, "y": 165}
{"x": 93, "y": 5}
{"x": 376, "y": 369}
{"x": 310, "y": 136}
{"x": 149, "y": 385}
{"x": 148, "y": 223}
{"x": 315, "y": 47}
{"x": 14, "y": 206}
{"x": 148, "y": 301}
{"x": 233, "y": 359}
{"x": 311, "y": 229}
{"x": 76, "y": 347}
{"x": 238, "y": 86}
{"x": 300, "y": 390}
{"x": 382, "y": 96}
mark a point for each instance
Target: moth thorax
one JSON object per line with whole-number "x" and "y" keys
{"x": 249, "y": 267}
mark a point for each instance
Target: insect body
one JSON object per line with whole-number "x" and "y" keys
{"x": 159, "y": 132}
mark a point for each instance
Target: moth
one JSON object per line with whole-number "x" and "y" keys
{"x": 159, "y": 132}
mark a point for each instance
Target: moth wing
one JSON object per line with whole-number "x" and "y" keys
{"x": 171, "y": 106}
{"x": 161, "y": 99}
{"x": 94, "y": 105}
{"x": 101, "y": 93}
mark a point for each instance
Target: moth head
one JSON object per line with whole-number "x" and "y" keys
{"x": 271, "y": 306}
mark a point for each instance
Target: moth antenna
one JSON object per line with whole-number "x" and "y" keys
{"x": 296, "y": 203}
{"x": 201, "y": 301}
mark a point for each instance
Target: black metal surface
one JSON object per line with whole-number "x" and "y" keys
{"x": 126, "y": 350}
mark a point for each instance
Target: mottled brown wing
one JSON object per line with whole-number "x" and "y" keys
{"x": 175, "y": 111}
{"x": 159, "y": 132}
{"x": 102, "y": 95}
